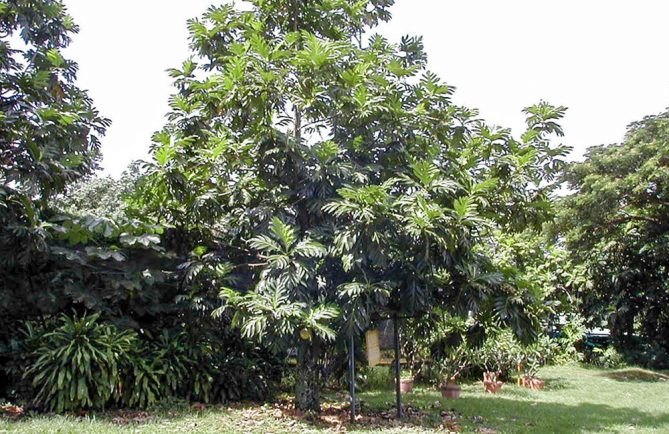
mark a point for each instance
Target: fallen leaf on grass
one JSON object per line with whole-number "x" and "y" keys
{"x": 12, "y": 412}
{"x": 128, "y": 417}
{"x": 198, "y": 406}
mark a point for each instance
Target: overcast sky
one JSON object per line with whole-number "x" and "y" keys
{"x": 604, "y": 59}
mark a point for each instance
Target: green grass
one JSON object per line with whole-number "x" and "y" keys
{"x": 576, "y": 400}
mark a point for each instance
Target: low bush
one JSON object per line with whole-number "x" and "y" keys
{"x": 79, "y": 364}
{"x": 607, "y": 358}
{"x": 224, "y": 367}
{"x": 646, "y": 354}
{"x": 85, "y": 363}
{"x": 568, "y": 340}
{"x": 499, "y": 353}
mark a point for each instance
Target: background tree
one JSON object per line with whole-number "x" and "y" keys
{"x": 67, "y": 248}
{"x": 543, "y": 266}
{"x": 49, "y": 137}
{"x": 49, "y": 129}
{"x": 102, "y": 196}
{"x": 318, "y": 169}
{"x": 615, "y": 223}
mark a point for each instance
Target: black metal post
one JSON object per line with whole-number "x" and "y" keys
{"x": 397, "y": 366}
{"x": 351, "y": 367}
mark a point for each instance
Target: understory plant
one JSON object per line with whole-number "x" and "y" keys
{"x": 452, "y": 366}
{"x": 224, "y": 367}
{"x": 144, "y": 381}
{"x": 568, "y": 340}
{"x": 607, "y": 358}
{"x": 86, "y": 363}
{"x": 79, "y": 364}
{"x": 533, "y": 356}
{"x": 498, "y": 353}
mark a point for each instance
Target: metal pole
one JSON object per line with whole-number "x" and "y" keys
{"x": 351, "y": 367}
{"x": 397, "y": 366}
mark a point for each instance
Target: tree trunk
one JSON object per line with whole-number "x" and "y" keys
{"x": 307, "y": 383}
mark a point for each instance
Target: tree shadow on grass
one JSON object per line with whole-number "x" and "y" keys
{"x": 519, "y": 416}
{"x": 557, "y": 384}
{"x": 513, "y": 413}
{"x": 134, "y": 419}
{"x": 635, "y": 375}
{"x": 426, "y": 411}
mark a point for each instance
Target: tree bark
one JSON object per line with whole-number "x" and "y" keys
{"x": 307, "y": 383}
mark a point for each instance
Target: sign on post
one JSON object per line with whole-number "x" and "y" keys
{"x": 373, "y": 347}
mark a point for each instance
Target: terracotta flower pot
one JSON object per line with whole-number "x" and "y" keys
{"x": 532, "y": 383}
{"x": 490, "y": 382}
{"x": 406, "y": 385}
{"x": 450, "y": 390}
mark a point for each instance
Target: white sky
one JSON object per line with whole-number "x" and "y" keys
{"x": 604, "y": 59}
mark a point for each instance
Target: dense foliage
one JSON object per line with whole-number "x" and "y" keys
{"x": 49, "y": 129}
{"x": 67, "y": 248}
{"x": 313, "y": 179}
{"x": 85, "y": 363}
{"x": 615, "y": 224}
{"x": 321, "y": 169}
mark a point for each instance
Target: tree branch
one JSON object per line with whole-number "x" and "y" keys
{"x": 629, "y": 218}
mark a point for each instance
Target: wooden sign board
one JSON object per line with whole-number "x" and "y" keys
{"x": 373, "y": 347}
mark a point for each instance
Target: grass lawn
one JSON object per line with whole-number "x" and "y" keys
{"x": 576, "y": 400}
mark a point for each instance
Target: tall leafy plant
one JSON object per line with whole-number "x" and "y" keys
{"x": 615, "y": 225}
{"x": 49, "y": 129}
{"x": 326, "y": 168}
{"x": 49, "y": 137}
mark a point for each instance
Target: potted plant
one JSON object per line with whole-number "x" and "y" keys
{"x": 406, "y": 384}
{"x": 416, "y": 353}
{"x": 531, "y": 358}
{"x": 529, "y": 380}
{"x": 450, "y": 370}
{"x": 491, "y": 382}
{"x": 497, "y": 357}
{"x": 407, "y": 379}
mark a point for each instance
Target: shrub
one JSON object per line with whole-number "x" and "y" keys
{"x": 78, "y": 364}
{"x": 607, "y": 358}
{"x": 570, "y": 336}
{"x": 84, "y": 363}
{"x": 646, "y": 354}
{"x": 232, "y": 370}
{"x": 15, "y": 355}
{"x": 172, "y": 350}
{"x": 533, "y": 356}
{"x": 143, "y": 383}
{"x": 503, "y": 353}
{"x": 654, "y": 357}
{"x": 215, "y": 366}
{"x": 454, "y": 363}
{"x": 499, "y": 353}
{"x": 158, "y": 369}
